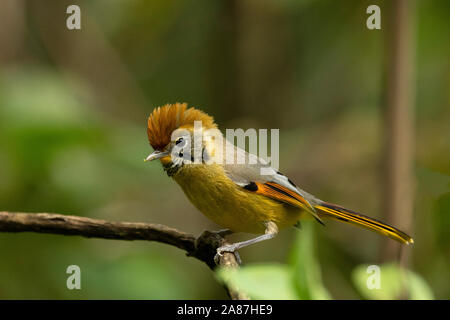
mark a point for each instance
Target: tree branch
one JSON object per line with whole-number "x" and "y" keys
{"x": 202, "y": 248}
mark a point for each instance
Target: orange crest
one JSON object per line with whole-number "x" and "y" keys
{"x": 164, "y": 120}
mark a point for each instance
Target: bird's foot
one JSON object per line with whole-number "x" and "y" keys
{"x": 228, "y": 248}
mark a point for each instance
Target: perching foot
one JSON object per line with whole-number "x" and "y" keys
{"x": 228, "y": 248}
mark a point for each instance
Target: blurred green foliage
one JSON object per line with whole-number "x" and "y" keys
{"x": 300, "y": 279}
{"x": 73, "y": 108}
{"x": 442, "y": 221}
{"x": 395, "y": 283}
{"x": 261, "y": 281}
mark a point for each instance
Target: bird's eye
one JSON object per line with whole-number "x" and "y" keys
{"x": 179, "y": 140}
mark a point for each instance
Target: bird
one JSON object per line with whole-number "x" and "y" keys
{"x": 236, "y": 195}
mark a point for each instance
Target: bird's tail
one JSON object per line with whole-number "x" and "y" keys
{"x": 328, "y": 210}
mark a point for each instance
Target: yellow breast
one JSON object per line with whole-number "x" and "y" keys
{"x": 230, "y": 205}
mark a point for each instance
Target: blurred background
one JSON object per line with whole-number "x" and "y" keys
{"x": 363, "y": 115}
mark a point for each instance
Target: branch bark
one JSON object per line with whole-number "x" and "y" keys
{"x": 202, "y": 248}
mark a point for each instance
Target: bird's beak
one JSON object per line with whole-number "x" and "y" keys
{"x": 157, "y": 155}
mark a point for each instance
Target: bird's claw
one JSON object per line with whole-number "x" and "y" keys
{"x": 217, "y": 258}
{"x": 230, "y": 249}
{"x": 238, "y": 257}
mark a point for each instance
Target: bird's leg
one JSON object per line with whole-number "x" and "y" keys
{"x": 271, "y": 232}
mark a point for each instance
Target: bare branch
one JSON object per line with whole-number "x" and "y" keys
{"x": 203, "y": 248}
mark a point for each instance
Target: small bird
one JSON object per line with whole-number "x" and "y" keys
{"x": 233, "y": 194}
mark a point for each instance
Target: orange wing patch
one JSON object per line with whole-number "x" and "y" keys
{"x": 273, "y": 193}
{"x": 278, "y": 192}
{"x": 279, "y": 189}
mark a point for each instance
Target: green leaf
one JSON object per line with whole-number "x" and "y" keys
{"x": 307, "y": 275}
{"x": 418, "y": 288}
{"x": 394, "y": 283}
{"x": 261, "y": 281}
{"x": 301, "y": 279}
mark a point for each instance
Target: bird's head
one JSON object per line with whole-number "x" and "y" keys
{"x": 170, "y": 132}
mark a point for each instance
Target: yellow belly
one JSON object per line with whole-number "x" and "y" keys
{"x": 228, "y": 204}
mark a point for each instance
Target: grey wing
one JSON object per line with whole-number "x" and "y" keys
{"x": 250, "y": 171}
